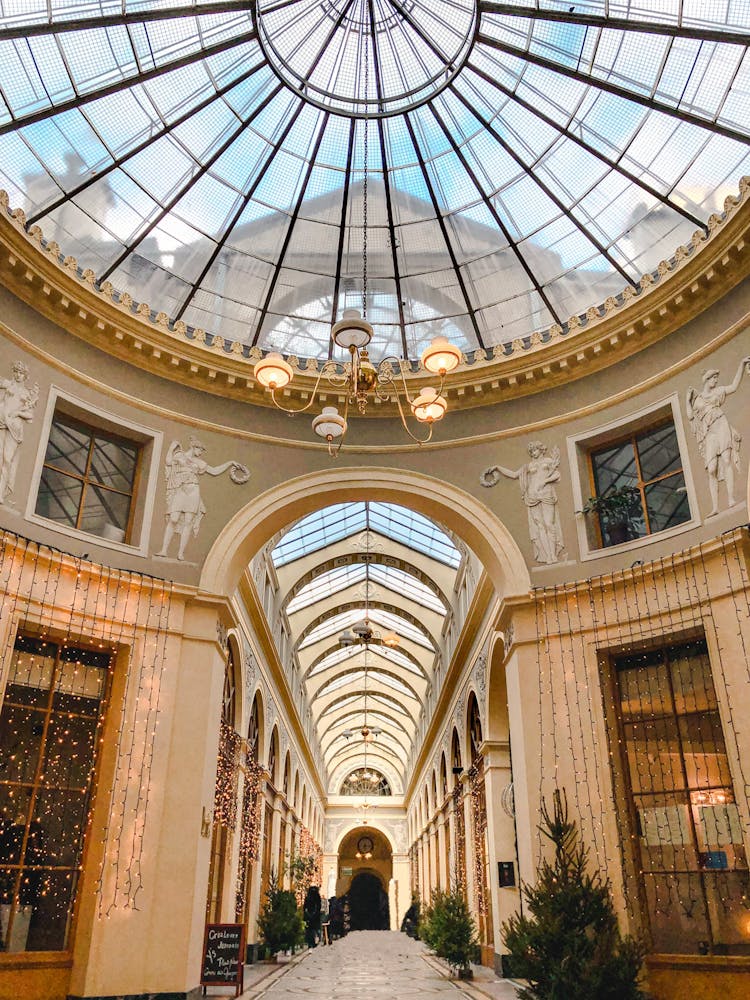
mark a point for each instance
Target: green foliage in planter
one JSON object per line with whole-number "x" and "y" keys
{"x": 280, "y": 921}
{"x": 447, "y": 926}
{"x": 569, "y": 947}
{"x": 615, "y": 506}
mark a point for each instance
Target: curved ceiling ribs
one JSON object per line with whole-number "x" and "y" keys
{"x": 394, "y": 567}
{"x": 568, "y": 151}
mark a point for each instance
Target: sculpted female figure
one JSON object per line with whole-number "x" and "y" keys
{"x": 185, "y": 508}
{"x": 17, "y": 404}
{"x": 718, "y": 442}
{"x": 537, "y": 478}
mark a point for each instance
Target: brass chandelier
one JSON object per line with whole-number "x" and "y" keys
{"x": 358, "y": 379}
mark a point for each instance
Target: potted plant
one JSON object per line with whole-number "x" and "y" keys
{"x": 280, "y": 921}
{"x": 568, "y": 943}
{"x": 448, "y": 928}
{"x": 615, "y": 509}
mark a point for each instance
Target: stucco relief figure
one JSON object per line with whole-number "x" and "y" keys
{"x": 18, "y": 401}
{"x": 185, "y": 508}
{"x": 718, "y": 442}
{"x": 537, "y": 478}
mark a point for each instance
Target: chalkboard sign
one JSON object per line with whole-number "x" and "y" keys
{"x": 223, "y": 956}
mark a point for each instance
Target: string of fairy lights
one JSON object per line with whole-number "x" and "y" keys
{"x": 250, "y": 824}
{"x": 479, "y": 836}
{"x": 76, "y": 628}
{"x": 662, "y": 648}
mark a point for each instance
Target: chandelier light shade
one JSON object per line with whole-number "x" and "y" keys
{"x": 441, "y": 357}
{"x": 329, "y": 424}
{"x": 352, "y": 332}
{"x": 273, "y": 372}
{"x": 429, "y": 406}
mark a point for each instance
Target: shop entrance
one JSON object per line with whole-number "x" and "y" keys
{"x": 368, "y": 903}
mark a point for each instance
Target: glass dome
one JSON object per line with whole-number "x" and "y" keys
{"x": 524, "y": 161}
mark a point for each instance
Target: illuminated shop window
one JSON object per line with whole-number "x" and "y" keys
{"x": 638, "y": 486}
{"x": 89, "y": 479}
{"x": 50, "y": 728}
{"x": 687, "y": 829}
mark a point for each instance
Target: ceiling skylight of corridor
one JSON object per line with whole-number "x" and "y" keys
{"x": 395, "y": 570}
{"x": 526, "y": 161}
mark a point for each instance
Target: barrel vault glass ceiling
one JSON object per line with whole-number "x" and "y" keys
{"x": 396, "y": 568}
{"x": 525, "y": 160}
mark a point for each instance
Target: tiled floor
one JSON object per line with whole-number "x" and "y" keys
{"x": 374, "y": 965}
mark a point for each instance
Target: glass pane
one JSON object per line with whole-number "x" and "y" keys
{"x": 105, "y": 513}
{"x": 113, "y": 464}
{"x": 706, "y": 763}
{"x": 31, "y": 672}
{"x": 614, "y": 468}
{"x": 653, "y": 751}
{"x": 644, "y": 686}
{"x": 691, "y": 678}
{"x": 59, "y": 497}
{"x": 658, "y": 452}
{"x": 62, "y": 827}
{"x": 14, "y": 811}
{"x": 68, "y": 448}
{"x": 665, "y": 833}
{"x": 726, "y": 891}
{"x": 667, "y": 503}
{"x": 69, "y": 751}
{"x": 21, "y": 732}
{"x": 52, "y": 894}
{"x": 679, "y": 923}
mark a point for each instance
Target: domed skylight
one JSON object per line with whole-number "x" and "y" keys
{"x": 524, "y": 163}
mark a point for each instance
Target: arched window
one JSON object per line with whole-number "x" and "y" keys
{"x": 475, "y": 728}
{"x": 287, "y": 774}
{"x": 365, "y": 781}
{"x": 443, "y": 778}
{"x": 456, "y": 765}
{"x": 253, "y": 731}
{"x": 273, "y": 756}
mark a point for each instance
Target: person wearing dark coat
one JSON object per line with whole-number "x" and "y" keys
{"x": 311, "y": 913}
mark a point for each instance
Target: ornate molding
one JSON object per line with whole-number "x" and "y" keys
{"x": 694, "y": 277}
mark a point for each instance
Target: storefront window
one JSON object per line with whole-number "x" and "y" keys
{"x": 49, "y": 726}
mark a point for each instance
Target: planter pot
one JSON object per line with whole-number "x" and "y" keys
{"x": 465, "y": 974}
{"x": 617, "y": 532}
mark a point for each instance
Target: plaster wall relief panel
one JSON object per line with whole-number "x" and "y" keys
{"x": 537, "y": 479}
{"x": 540, "y": 516}
{"x": 719, "y": 442}
{"x": 18, "y": 402}
{"x": 185, "y": 509}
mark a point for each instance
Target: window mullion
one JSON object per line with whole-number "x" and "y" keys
{"x": 641, "y": 484}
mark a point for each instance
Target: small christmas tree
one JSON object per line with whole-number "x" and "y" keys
{"x": 280, "y": 921}
{"x": 570, "y": 947}
{"x": 448, "y": 928}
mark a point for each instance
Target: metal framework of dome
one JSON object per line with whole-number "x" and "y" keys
{"x": 526, "y": 161}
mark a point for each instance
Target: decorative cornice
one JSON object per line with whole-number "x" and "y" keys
{"x": 697, "y": 275}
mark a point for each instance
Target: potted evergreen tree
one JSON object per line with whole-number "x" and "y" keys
{"x": 569, "y": 946}
{"x": 448, "y": 928}
{"x": 616, "y": 510}
{"x": 280, "y": 921}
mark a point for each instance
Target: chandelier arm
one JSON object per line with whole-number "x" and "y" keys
{"x": 334, "y": 452}
{"x": 406, "y": 427}
{"x": 301, "y": 409}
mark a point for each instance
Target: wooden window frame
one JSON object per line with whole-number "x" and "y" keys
{"x": 23, "y": 957}
{"x": 94, "y": 433}
{"x": 631, "y": 437}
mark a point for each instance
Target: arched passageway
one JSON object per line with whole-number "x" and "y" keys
{"x": 368, "y": 903}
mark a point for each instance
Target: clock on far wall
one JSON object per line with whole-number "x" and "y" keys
{"x": 365, "y": 845}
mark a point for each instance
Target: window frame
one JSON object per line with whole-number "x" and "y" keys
{"x": 631, "y": 437}
{"x": 106, "y": 712}
{"x": 60, "y": 418}
{"x": 634, "y": 867}
{"x": 581, "y": 445}
{"x": 105, "y": 424}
